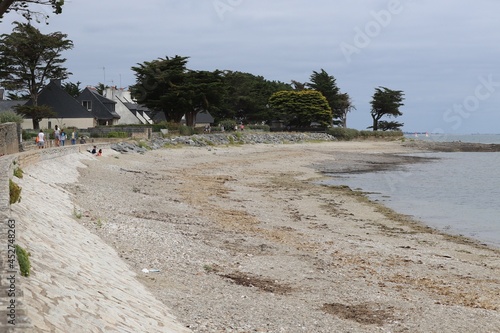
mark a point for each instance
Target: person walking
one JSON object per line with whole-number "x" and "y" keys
{"x": 73, "y": 137}
{"x": 57, "y": 133}
{"x": 40, "y": 139}
{"x": 62, "y": 137}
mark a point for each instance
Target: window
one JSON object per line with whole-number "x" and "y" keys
{"x": 87, "y": 105}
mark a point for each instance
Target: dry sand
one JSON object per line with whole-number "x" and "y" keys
{"x": 245, "y": 240}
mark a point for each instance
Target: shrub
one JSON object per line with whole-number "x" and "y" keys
{"x": 14, "y": 192}
{"x": 186, "y": 130}
{"x": 117, "y": 135}
{"x": 341, "y": 133}
{"x": 228, "y": 124}
{"x": 29, "y": 135}
{"x": 349, "y": 134}
{"x": 171, "y": 126}
{"x": 10, "y": 117}
{"x": 23, "y": 258}
{"x": 264, "y": 128}
{"x": 18, "y": 172}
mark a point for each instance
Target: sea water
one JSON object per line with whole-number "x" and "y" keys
{"x": 458, "y": 193}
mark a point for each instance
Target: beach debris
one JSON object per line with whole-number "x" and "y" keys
{"x": 150, "y": 270}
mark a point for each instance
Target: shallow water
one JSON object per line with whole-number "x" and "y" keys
{"x": 458, "y": 193}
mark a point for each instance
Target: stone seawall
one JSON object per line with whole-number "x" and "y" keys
{"x": 9, "y": 138}
{"x": 78, "y": 283}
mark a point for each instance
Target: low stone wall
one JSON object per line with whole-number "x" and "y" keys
{"x": 9, "y": 138}
{"x": 135, "y": 132}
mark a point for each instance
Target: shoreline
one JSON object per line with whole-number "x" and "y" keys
{"x": 246, "y": 228}
{"x": 244, "y": 240}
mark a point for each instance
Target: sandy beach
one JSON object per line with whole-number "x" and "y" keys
{"x": 244, "y": 239}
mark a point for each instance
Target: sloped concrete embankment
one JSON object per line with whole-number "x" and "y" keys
{"x": 77, "y": 282}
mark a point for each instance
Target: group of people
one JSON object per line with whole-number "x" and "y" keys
{"x": 60, "y": 137}
{"x": 96, "y": 152}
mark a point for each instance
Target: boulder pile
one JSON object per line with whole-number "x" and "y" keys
{"x": 202, "y": 140}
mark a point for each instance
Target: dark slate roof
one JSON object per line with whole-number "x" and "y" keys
{"x": 204, "y": 117}
{"x": 8, "y": 105}
{"x": 102, "y": 107}
{"x": 62, "y": 103}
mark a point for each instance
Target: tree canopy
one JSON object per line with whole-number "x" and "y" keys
{"x": 340, "y": 104}
{"x": 167, "y": 86}
{"x": 246, "y": 97}
{"x": 30, "y": 58}
{"x": 301, "y": 108}
{"x": 23, "y": 7}
{"x": 386, "y": 102}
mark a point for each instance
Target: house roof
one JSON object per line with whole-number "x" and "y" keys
{"x": 62, "y": 103}
{"x": 8, "y": 105}
{"x": 204, "y": 117}
{"x": 102, "y": 108}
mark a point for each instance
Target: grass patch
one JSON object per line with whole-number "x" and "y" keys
{"x": 14, "y": 192}
{"x": 18, "y": 172}
{"x": 209, "y": 268}
{"x": 23, "y": 260}
{"x": 143, "y": 144}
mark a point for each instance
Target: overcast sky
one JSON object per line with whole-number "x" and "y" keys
{"x": 444, "y": 55}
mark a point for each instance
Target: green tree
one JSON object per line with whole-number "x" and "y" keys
{"x": 157, "y": 85}
{"x": 325, "y": 84}
{"x": 22, "y": 7}
{"x": 101, "y": 87}
{"x": 166, "y": 85}
{"x": 386, "y": 102}
{"x": 246, "y": 97}
{"x": 36, "y": 113}
{"x": 72, "y": 89}
{"x": 384, "y": 125}
{"x": 301, "y": 108}
{"x": 298, "y": 85}
{"x": 343, "y": 106}
{"x": 202, "y": 91}
{"x": 29, "y": 59}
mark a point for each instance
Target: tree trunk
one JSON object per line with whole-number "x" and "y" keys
{"x": 4, "y": 6}
{"x": 190, "y": 118}
{"x": 375, "y": 124}
{"x": 36, "y": 124}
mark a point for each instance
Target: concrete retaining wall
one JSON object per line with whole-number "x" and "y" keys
{"x": 8, "y": 163}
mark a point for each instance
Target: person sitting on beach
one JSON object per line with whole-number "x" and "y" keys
{"x": 93, "y": 151}
{"x": 99, "y": 153}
